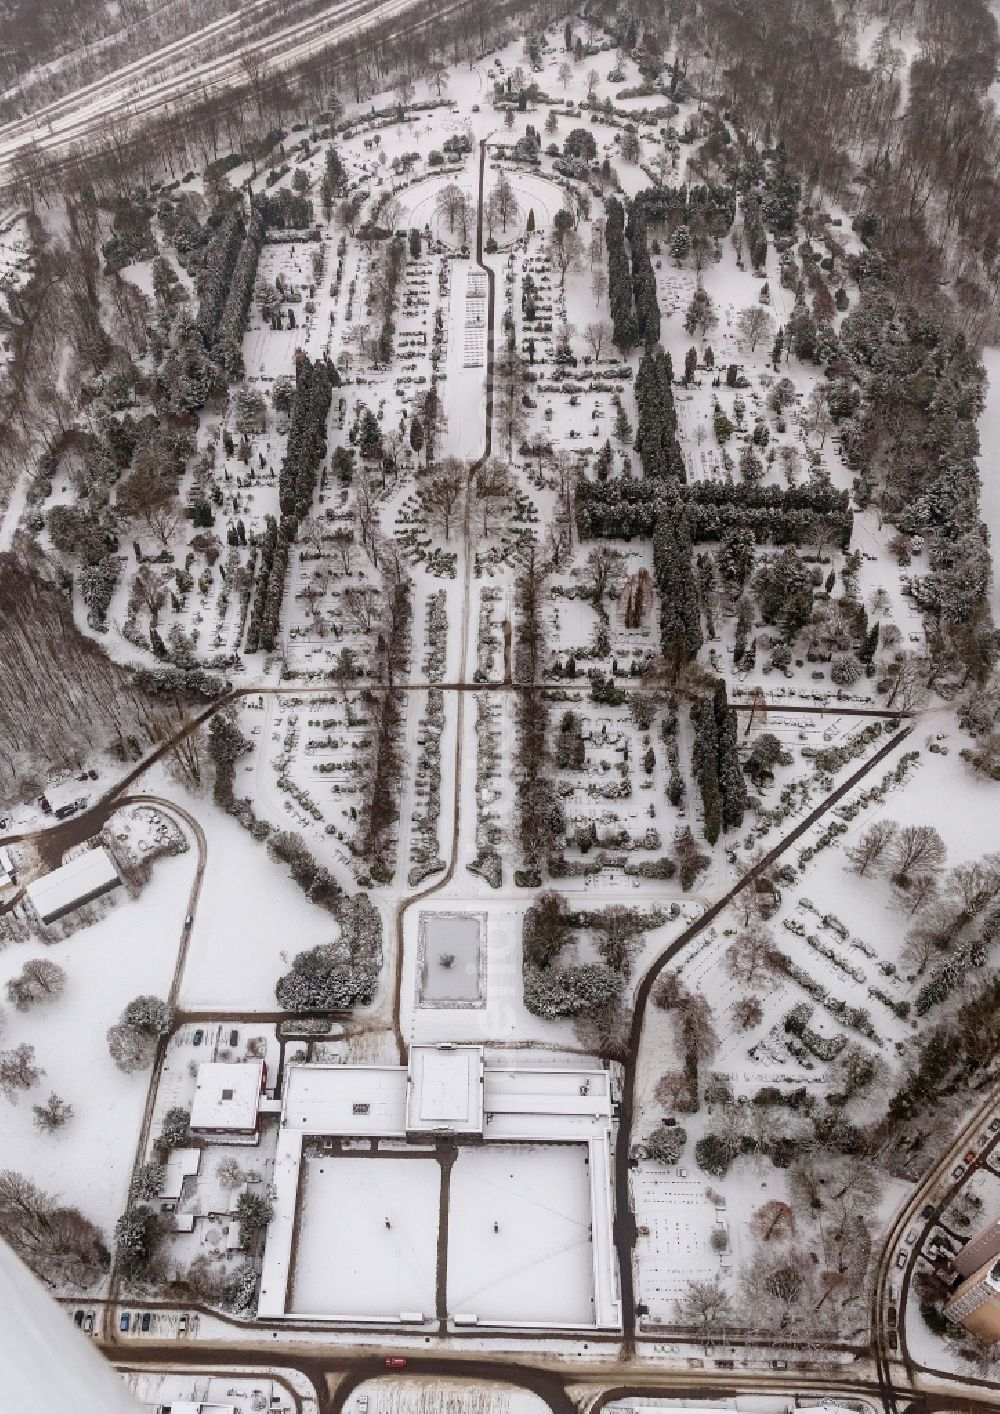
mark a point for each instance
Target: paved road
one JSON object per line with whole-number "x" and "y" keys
{"x": 566, "y": 1384}
{"x": 938, "y": 1188}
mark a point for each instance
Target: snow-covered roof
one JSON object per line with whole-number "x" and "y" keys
{"x": 979, "y": 1250}
{"x": 345, "y": 1099}
{"x": 543, "y": 1102}
{"x": 193, "y": 1406}
{"x": 226, "y": 1095}
{"x": 72, "y": 884}
{"x": 181, "y": 1164}
{"x": 445, "y": 1089}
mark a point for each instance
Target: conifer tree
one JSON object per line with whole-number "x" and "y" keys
{"x": 656, "y": 435}
{"x": 647, "y": 308}
{"x": 732, "y": 782}
{"x": 680, "y": 620}
{"x": 706, "y": 767}
{"x": 620, "y": 294}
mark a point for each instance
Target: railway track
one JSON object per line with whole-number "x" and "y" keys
{"x": 184, "y": 48}
{"x": 283, "y": 51}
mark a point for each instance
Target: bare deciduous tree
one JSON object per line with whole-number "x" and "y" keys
{"x": 747, "y": 954}
{"x": 916, "y": 849}
{"x": 597, "y": 335}
{"x": 601, "y": 572}
{"x": 773, "y": 1220}
{"x": 870, "y": 852}
{"x": 40, "y": 979}
{"x": 449, "y": 202}
{"x": 706, "y": 1305}
{"x": 501, "y": 206}
{"x": 18, "y": 1070}
{"x": 493, "y": 484}
{"x": 441, "y": 493}
{"x": 755, "y": 324}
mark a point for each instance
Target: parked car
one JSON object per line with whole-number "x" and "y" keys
{"x": 234, "y": 1037}
{"x": 900, "y": 1259}
{"x": 123, "y": 1323}
{"x": 969, "y": 1155}
{"x": 198, "y": 1037}
{"x": 78, "y": 1318}
{"x": 147, "y": 1319}
{"x": 911, "y": 1236}
{"x": 395, "y": 1362}
{"x": 88, "y": 1322}
{"x": 928, "y": 1211}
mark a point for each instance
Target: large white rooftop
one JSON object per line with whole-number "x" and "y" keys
{"x": 226, "y": 1096}
{"x": 347, "y": 1100}
{"x": 83, "y": 878}
{"x": 445, "y": 1089}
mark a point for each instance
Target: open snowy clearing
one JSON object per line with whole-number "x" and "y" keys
{"x": 420, "y": 1394}
{"x": 250, "y": 923}
{"x": 131, "y": 951}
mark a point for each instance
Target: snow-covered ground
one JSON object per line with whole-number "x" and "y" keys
{"x": 520, "y": 1232}
{"x": 129, "y": 952}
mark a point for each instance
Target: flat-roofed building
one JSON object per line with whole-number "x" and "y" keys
{"x": 82, "y": 880}
{"x": 347, "y": 1100}
{"x": 976, "y": 1303}
{"x": 518, "y": 1126}
{"x": 226, "y": 1099}
{"x": 978, "y": 1250}
{"x": 445, "y": 1090}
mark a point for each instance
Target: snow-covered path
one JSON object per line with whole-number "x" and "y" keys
{"x": 11, "y": 517}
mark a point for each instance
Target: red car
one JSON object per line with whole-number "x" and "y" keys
{"x": 395, "y": 1362}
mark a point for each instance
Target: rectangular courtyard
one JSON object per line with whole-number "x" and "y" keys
{"x": 366, "y": 1245}
{"x": 520, "y": 1241}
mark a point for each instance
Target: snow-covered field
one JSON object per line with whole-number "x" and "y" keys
{"x": 131, "y": 951}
